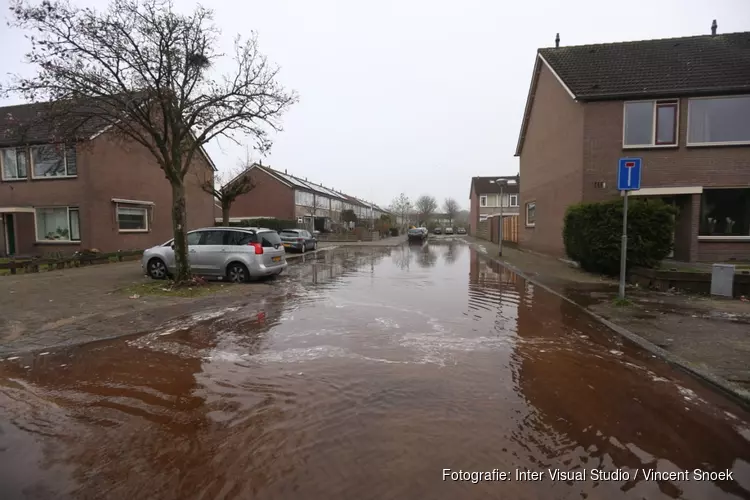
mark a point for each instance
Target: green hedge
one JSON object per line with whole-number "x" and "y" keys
{"x": 593, "y": 234}
{"x": 275, "y": 224}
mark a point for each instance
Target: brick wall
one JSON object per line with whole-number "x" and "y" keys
{"x": 551, "y": 163}
{"x": 473, "y": 214}
{"x": 113, "y": 169}
{"x": 269, "y": 198}
{"x": 722, "y": 166}
{"x": 483, "y": 230}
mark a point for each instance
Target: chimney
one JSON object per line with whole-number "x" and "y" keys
{"x": 284, "y": 170}
{"x": 713, "y": 28}
{"x": 557, "y": 41}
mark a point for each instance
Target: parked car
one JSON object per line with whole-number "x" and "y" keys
{"x": 437, "y": 230}
{"x": 298, "y": 239}
{"x": 448, "y": 230}
{"x": 461, "y": 231}
{"x": 237, "y": 254}
{"x": 417, "y": 234}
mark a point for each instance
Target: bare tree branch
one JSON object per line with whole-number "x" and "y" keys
{"x": 451, "y": 208}
{"x": 426, "y": 206}
{"x": 144, "y": 72}
{"x": 226, "y": 187}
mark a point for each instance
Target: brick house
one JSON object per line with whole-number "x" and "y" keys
{"x": 280, "y": 195}
{"x": 94, "y": 193}
{"x": 484, "y": 199}
{"x": 680, "y": 104}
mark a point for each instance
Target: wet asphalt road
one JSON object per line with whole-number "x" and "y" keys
{"x": 372, "y": 372}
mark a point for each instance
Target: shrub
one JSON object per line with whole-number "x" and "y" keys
{"x": 592, "y": 234}
{"x": 275, "y": 224}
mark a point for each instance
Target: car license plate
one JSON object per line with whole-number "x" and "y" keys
{"x": 287, "y": 244}
{"x": 276, "y": 259}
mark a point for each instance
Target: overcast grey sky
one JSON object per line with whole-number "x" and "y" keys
{"x": 417, "y": 96}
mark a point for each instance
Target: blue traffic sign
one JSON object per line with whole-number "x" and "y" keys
{"x": 629, "y": 174}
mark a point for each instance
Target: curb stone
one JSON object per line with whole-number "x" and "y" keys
{"x": 737, "y": 394}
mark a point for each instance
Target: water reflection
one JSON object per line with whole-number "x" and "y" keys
{"x": 364, "y": 379}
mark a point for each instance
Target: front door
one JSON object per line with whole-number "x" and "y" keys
{"x": 10, "y": 234}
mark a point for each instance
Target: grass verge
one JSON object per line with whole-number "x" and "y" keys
{"x": 167, "y": 289}
{"x": 622, "y": 302}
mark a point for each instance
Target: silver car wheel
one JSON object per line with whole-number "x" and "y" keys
{"x": 157, "y": 269}
{"x": 237, "y": 273}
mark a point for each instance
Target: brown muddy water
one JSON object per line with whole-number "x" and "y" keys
{"x": 372, "y": 372}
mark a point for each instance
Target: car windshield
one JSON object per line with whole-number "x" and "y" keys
{"x": 289, "y": 232}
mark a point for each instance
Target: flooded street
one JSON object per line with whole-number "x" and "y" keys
{"x": 373, "y": 371}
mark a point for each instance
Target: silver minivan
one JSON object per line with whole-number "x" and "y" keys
{"x": 236, "y": 254}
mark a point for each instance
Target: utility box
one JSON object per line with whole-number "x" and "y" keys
{"x": 722, "y": 280}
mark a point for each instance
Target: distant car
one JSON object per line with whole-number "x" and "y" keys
{"x": 236, "y": 254}
{"x": 448, "y": 230}
{"x": 417, "y": 234}
{"x": 298, "y": 239}
{"x": 437, "y": 230}
{"x": 461, "y": 231}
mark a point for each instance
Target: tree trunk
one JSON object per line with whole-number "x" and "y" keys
{"x": 224, "y": 214}
{"x": 179, "y": 227}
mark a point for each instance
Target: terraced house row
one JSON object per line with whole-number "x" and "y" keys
{"x": 281, "y": 195}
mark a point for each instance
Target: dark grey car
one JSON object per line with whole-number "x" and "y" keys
{"x": 298, "y": 239}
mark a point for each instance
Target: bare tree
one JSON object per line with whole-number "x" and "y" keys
{"x": 227, "y": 187}
{"x": 426, "y": 206}
{"x": 143, "y": 71}
{"x": 401, "y": 206}
{"x": 451, "y": 208}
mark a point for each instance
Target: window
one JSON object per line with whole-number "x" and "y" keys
{"x": 132, "y": 219}
{"x": 270, "y": 239}
{"x": 482, "y": 201}
{"x": 650, "y": 123}
{"x": 13, "y": 163}
{"x": 53, "y": 160}
{"x": 239, "y": 238}
{"x": 213, "y": 238}
{"x": 194, "y": 238}
{"x": 303, "y": 198}
{"x": 57, "y": 224}
{"x": 531, "y": 214}
{"x": 725, "y": 212}
{"x": 514, "y": 200}
{"x": 719, "y": 120}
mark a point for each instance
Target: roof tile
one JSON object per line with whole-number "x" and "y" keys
{"x": 670, "y": 66}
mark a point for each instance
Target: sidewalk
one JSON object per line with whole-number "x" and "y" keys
{"x": 704, "y": 335}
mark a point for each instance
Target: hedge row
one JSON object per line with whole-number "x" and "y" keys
{"x": 275, "y": 224}
{"x": 592, "y": 234}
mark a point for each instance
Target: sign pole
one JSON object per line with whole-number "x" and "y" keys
{"x": 624, "y": 246}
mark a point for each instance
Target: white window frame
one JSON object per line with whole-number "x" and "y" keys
{"x": 145, "y": 206}
{"x": 709, "y": 144}
{"x": 526, "y": 214}
{"x": 65, "y": 161}
{"x": 2, "y": 166}
{"x": 514, "y": 204}
{"x": 654, "y": 107}
{"x": 483, "y": 205}
{"x": 52, "y": 242}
